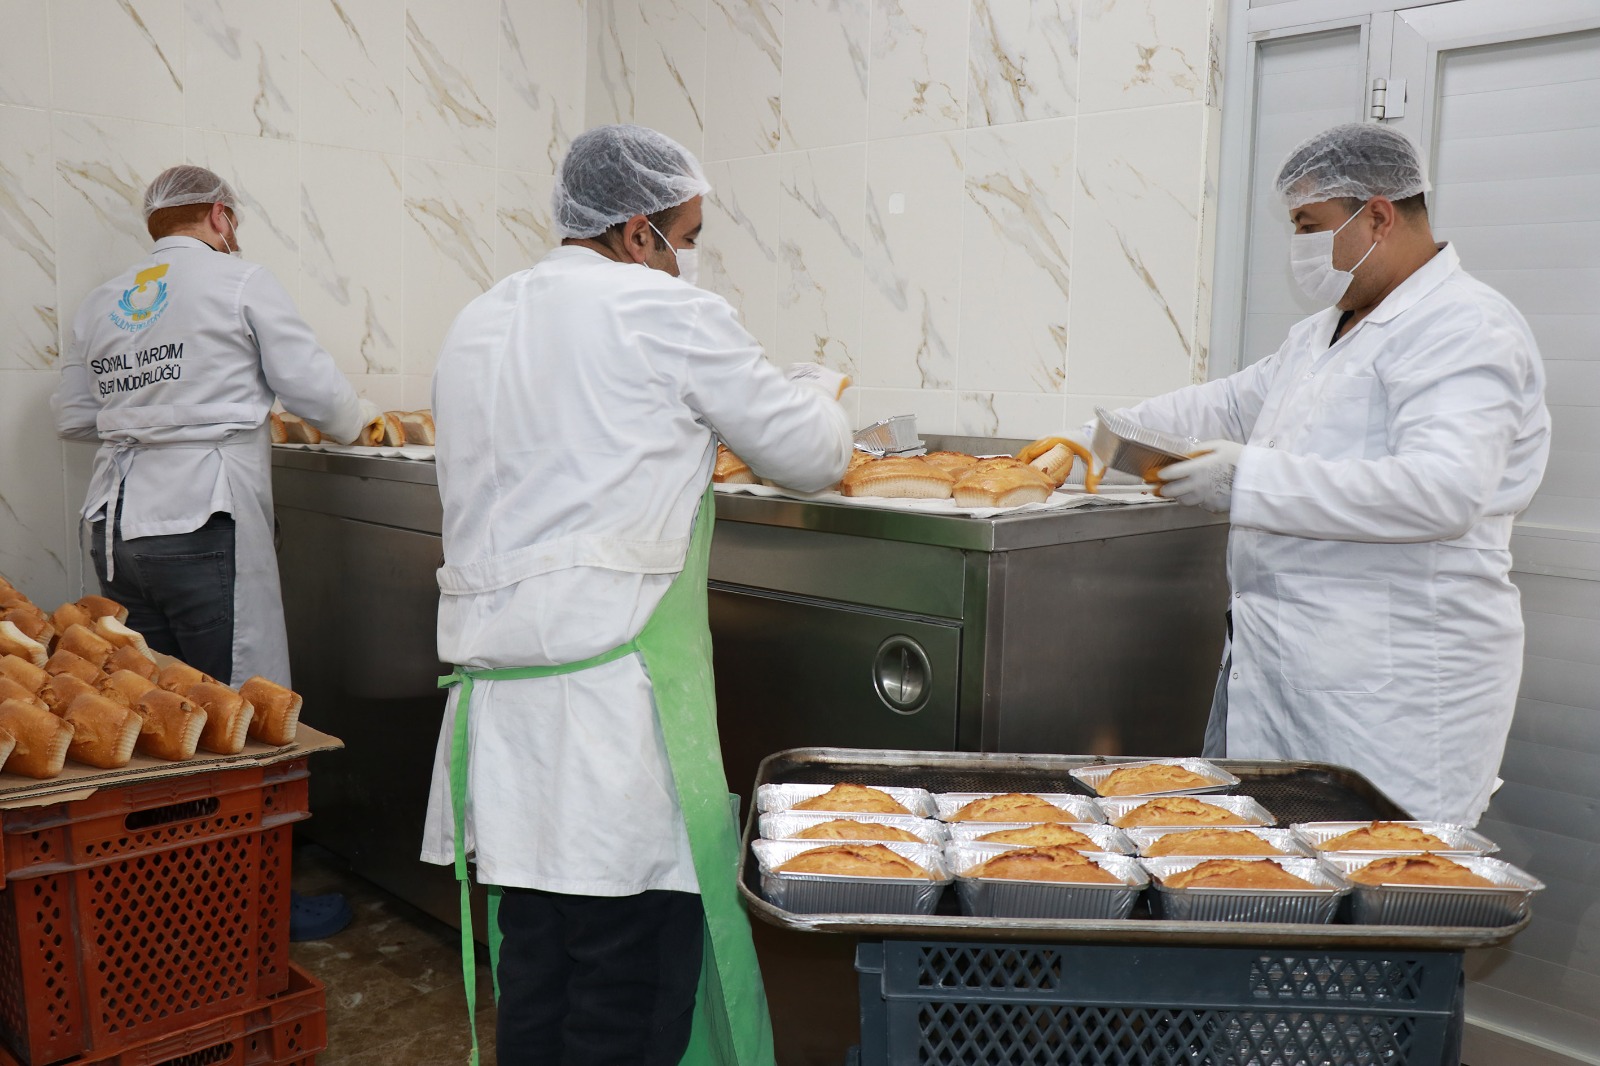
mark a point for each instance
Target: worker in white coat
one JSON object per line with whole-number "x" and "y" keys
{"x": 173, "y": 366}
{"x": 1371, "y": 469}
{"x": 578, "y": 407}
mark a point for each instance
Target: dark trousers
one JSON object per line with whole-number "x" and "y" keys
{"x": 178, "y": 591}
{"x": 597, "y": 980}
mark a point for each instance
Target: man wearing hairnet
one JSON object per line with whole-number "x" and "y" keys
{"x": 578, "y": 406}
{"x": 1371, "y": 469}
{"x": 173, "y": 367}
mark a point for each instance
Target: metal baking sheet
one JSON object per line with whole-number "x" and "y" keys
{"x": 1282, "y": 839}
{"x": 1091, "y": 777}
{"x": 996, "y": 897}
{"x": 825, "y": 894}
{"x": 1296, "y": 791}
{"x": 1462, "y": 841}
{"x": 771, "y": 799}
{"x": 787, "y": 825}
{"x": 1305, "y": 905}
{"x": 1505, "y": 904}
{"x": 1245, "y": 807}
{"x": 1075, "y": 808}
{"x": 1106, "y": 838}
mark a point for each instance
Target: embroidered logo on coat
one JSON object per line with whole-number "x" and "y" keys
{"x": 141, "y": 305}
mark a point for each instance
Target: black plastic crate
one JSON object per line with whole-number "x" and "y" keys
{"x": 929, "y": 1003}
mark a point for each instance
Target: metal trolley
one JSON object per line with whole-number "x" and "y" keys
{"x": 954, "y": 989}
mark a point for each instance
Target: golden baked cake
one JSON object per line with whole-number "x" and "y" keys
{"x": 730, "y": 469}
{"x": 1041, "y": 834}
{"x": 858, "y": 798}
{"x": 1419, "y": 870}
{"x": 854, "y": 860}
{"x": 1178, "y": 810}
{"x": 850, "y": 829}
{"x": 1009, "y": 807}
{"x": 1156, "y": 777}
{"x": 1384, "y": 836}
{"x": 953, "y": 463}
{"x": 1052, "y": 863}
{"x": 1236, "y": 873}
{"x": 1211, "y": 842}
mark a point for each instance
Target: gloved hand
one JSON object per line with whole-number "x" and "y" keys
{"x": 830, "y": 383}
{"x": 1205, "y": 479}
{"x": 371, "y": 415}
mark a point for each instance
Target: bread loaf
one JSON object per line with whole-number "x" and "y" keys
{"x": 1153, "y": 777}
{"x": 277, "y": 711}
{"x": 1236, "y": 873}
{"x": 86, "y": 644}
{"x": 1178, "y": 810}
{"x": 1054, "y": 454}
{"x": 14, "y": 641}
{"x": 63, "y": 689}
{"x": 730, "y": 469}
{"x": 41, "y": 739}
{"x": 297, "y": 430}
{"x": 953, "y": 463}
{"x": 1051, "y": 863}
{"x": 11, "y": 596}
{"x": 118, "y": 635}
{"x": 1210, "y": 842}
{"x": 860, "y": 799}
{"x": 1418, "y": 870}
{"x": 854, "y": 860}
{"x": 418, "y": 426}
{"x": 179, "y": 676}
{"x": 24, "y": 673}
{"x": 172, "y": 725}
{"x": 1385, "y": 836}
{"x": 275, "y": 427}
{"x": 850, "y": 829}
{"x": 104, "y": 731}
{"x": 129, "y": 685}
{"x": 11, "y": 690}
{"x": 99, "y": 607}
{"x": 1042, "y": 834}
{"x": 66, "y": 662}
{"x": 1002, "y": 487}
{"x": 228, "y": 716}
{"x": 141, "y": 663}
{"x": 71, "y": 614}
{"x": 899, "y": 479}
{"x": 1009, "y": 807}
{"x": 34, "y": 623}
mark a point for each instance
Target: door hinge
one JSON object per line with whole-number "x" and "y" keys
{"x": 1388, "y": 98}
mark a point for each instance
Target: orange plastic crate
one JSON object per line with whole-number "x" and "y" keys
{"x": 144, "y": 910}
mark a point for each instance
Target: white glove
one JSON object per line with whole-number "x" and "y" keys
{"x": 1206, "y": 480}
{"x": 830, "y": 383}
{"x": 370, "y": 413}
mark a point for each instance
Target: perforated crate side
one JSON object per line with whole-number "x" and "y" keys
{"x": 272, "y": 923}
{"x": 38, "y": 978}
{"x": 1021, "y": 1005}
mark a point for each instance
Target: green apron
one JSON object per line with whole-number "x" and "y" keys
{"x": 731, "y": 1026}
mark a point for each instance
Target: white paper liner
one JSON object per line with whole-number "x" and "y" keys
{"x": 771, "y": 799}
{"x": 1113, "y": 496}
{"x": 1091, "y": 776}
{"x": 419, "y": 452}
{"x": 1075, "y": 809}
{"x": 1505, "y": 904}
{"x": 1462, "y": 841}
{"x": 1301, "y": 905}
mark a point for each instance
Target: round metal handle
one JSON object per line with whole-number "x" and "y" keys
{"x": 901, "y": 675}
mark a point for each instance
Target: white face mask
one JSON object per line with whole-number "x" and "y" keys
{"x": 1311, "y": 260}
{"x": 232, "y": 247}
{"x": 688, "y": 258}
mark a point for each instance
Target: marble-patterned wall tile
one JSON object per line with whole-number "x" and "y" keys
{"x": 25, "y": 53}
{"x": 1136, "y": 53}
{"x": 416, "y": 392}
{"x": 34, "y": 541}
{"x": 385, "y": 390}
{"x": 669, "y": 70}
{"x": 540, "y": 108}
{"x": 823, "y": 231}
{"x": 913, "y": 262}
{"x": 745, "y": 82}
{"x": 1023, "y": 61}
{"x": 1009, "y": 414}
{"x": 523, "y": 231}
{"x": 935, "y": 409}
{"x": 265, "y": 175}
{"x": 27, "y": 241}
{"x": 1137, "y": 219}
{"x": 350, "y": 249}
{"x": 613, "y": 28}
{"x": 1016, "y": 257}
{"x": 78, "y": 464}
{"x": 451, "y": 80}
{"x": 102, "y": 169}
{"x": 918, "y": 81}
{"x": 352, "y": 65}
{"x": 134, "y": 49}
{"x": 449, "y": 252}
{"x": 825, "y": 46}
{"x": 739, "y": 244}
{"x": 242, "y": 67}
{"x": 1205, "y": 261}
{"x": 1081, "y": 407}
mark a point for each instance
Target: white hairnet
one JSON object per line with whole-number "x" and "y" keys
{"x": 1358, "y": 160}
{"x": 187, "y": 184}
{"x": 612, "y": 173}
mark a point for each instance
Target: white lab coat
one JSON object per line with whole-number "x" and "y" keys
{"x": 576, "y": 404}
{"x": 175, "y": 377}
{"x": 1374, "y": 621}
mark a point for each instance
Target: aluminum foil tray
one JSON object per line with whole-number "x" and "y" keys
{"x": 1462, "y": 841}
{"x": 771, "y": 799}
{"x": 1106, "y": 838}
{"x": 1282, "y": 839}
{"x": 1244, "y": 806}
{"x": 1003, "y": 898}
{"x": 822, "y": 894}
{"x": 1306, "y": 905}
{"x": 1091, "y": 776}
{"x": 786, "y": 825}
{"x": 889, "y": 435}
{"x": 1506, "y": 904}
{"x": 1075, "y": 809}
{"x": 1123, "y": 444}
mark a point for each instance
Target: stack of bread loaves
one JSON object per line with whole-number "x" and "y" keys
{"x": 78, "y": 684}
{"x": 392, "y": 429}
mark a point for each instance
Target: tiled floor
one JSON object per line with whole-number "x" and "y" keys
{"x": 393, "y": 978}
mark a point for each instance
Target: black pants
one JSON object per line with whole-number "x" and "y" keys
{"x": 597, "y": 980}
{"x": 178, "y": 591}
